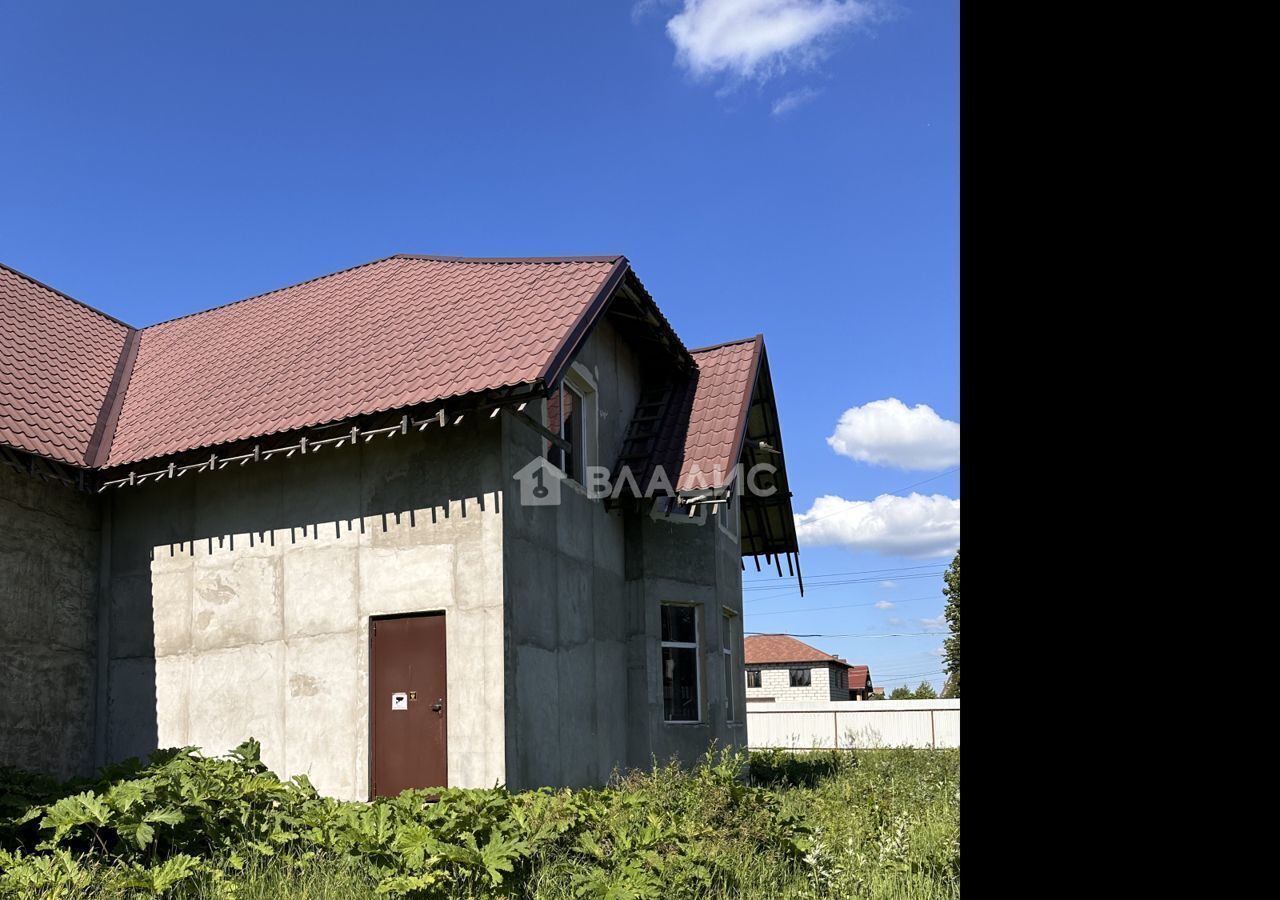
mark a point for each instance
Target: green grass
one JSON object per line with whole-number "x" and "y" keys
{"x": 829, "y": 824}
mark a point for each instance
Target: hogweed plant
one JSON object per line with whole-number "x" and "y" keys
{"x": 830, "y": 823}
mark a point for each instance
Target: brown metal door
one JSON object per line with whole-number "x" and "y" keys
{"x": 410, "y": 706}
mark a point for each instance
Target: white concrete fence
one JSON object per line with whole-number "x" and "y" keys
{"x": 854, "y": 723}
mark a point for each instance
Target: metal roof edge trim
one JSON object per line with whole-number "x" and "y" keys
{"x": 743, "y": 412}
{"x": 577, "y": 334}
{"x": 722, "y": 344}
{"x": 795, "y": 662}
{"x": 482, "y": 260}
{"x": 201, "y": 312}
{"x": 64, "y": 295}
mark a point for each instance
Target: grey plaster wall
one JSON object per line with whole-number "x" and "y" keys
{"x": 566, "y": 599}
{"x": 678, "y": 560}
{"x": 50, "y": 545}
{"x": 583, "y": 589}
{"x": 237, "y": 603}
{"x": 240, "y": 602}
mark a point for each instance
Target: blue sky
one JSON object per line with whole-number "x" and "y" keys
{"x": 784, "y": 166}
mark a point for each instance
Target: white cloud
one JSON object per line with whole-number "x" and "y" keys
{"x": 937, "y": 623}
{"x": 787, "y": 102}
{"x": 884, "y": 604}
{"x": 759, "y": 38}
{"x": 938, "y": 651}
{"x": 915, "y": 526}
{"x": 643, "y": 8}
{"x": 888, "y": 584}
{"x": 889, "y": 433}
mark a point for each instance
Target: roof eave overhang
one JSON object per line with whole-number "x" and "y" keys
{"x": 620, "y": 282}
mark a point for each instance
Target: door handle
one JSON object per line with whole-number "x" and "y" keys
{"x": 438, "y": 705}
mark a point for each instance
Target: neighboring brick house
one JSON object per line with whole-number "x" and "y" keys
{"x": 780, "y": 668}
{"x": 302, "y": 517}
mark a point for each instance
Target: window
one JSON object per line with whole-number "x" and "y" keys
{"x": 727, "y": 650}
{"x": 680, "y": 663}
{"x": 569, "y": 415}
{"x": 753, "y": 678}
{"x": 801, "y": 677}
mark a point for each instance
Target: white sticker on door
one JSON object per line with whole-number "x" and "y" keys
{"x": 400, "y": 701}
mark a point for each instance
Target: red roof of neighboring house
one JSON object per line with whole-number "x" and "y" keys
{"x": 388, "y": 334}
{"x": 859, "y": 676}
{"x": 58, "y": 358}
{"x": 764, "y": 649}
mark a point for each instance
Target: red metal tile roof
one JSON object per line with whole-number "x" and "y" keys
{"x": 859, "y": 676}
{"x": 765, "y": 649}
{"x": 718, "y": 418}
{"x": 396, "y": 332}
{"x": 702, "y": 433}
{"x": 388, "y": 334}
{"x": 57, "y": 361}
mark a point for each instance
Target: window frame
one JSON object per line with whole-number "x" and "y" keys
{"x": 808, "y": 678}
{"x": 729, "y": 653}
{"x": 697, "y": 662}
{"x": 577, "y": 439}
{"x": 579, "y": 381}
{"x": 759, "y": 673}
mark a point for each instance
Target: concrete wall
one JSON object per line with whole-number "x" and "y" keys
{"x": 50, "y": 544}
{"x": 671, "y": 560}
{"x": 825, "y": 683}
{"x": 237, "y": 603}
{"x": 584, "y": 589}
{"x": 240, "y": 602}
{"x": 566, "y": 600}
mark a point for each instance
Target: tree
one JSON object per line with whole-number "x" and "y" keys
{"x": 925, "y": 692}
{"x": 902, "y": 693}
{"x": 951, "y": 646}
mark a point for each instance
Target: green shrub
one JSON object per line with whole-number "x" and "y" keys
{"x": 883, "y": 823}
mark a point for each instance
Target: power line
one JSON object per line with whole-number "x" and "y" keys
{"x": 862, "y": 571}
{"x": 914, "y": 576}
{"x": 916, "y": 674}
{"x": 891, "y": 672}
{"x": 790, "y": 592}
{"x": 891, "y": 634}
{"x": 780, "y": 612}
{"x": 925, "y": 480}
{"x": 905, "y": 678}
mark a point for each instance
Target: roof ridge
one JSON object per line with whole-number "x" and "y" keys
{"x": 759, "y": 336}
{"x": 614, "y": 257}
{"x": 38, "y": 283}
{"x": 382, "y": 259}
{"x": 201, "y": 312}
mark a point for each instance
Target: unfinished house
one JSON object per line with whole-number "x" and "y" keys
{"x": 361, "y": 519}
{"x": 783, "y": 669}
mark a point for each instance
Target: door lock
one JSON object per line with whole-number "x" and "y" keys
{"x": 438, "y": 705}
{"x": 413, "y": 695}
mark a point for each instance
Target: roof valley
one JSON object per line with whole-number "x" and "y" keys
{"x": 99, "y": 449}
